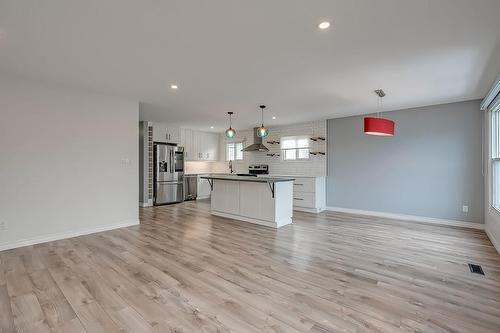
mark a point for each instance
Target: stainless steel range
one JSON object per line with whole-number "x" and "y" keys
{"x": 258, "y": 169}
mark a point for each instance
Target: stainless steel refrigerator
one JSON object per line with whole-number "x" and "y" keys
{"x": 169, "y": 173}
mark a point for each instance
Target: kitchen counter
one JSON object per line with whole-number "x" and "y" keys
{"x": 261, "y": 200}
{"x": 291, "y": 176}
{"x": 259, "y": 179}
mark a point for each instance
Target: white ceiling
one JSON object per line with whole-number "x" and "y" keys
{"x": 232, "y": 55}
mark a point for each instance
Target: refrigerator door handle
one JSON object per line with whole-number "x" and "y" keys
{"x": 171, "y": 161}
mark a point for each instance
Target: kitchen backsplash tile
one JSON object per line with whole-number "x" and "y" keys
{"x": 198, "y": 167}
{"x": 314, "y": 166}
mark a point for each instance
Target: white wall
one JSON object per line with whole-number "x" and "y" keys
{"x": 68, "y": 162}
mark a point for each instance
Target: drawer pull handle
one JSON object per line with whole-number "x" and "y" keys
{"x": 298, "y": 199}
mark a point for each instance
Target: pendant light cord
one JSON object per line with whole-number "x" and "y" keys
{"x": 379, "y": 106}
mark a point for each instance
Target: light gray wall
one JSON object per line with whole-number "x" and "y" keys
{"x": 431, "y": 167}
{"x": 68, "y": 162}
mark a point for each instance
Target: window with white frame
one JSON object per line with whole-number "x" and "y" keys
{"x": 495, "y": 156}
{"x": 234, "y": 151}
{"x": 294, "y": 148}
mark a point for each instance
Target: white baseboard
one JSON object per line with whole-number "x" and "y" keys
{"x": 494, "y": 241}
{"x": 277, "y": 224}
{"x": 413, "y": 218}
{"x": 64, "y": 235}
{"x": 308, "y": 210}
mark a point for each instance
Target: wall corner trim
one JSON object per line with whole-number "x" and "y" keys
{"x": 65, "y": 235}
{"x": 493, "y": 240}
{"x": 412, "y": 218}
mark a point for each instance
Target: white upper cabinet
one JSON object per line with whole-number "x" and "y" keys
{"x": 197, "y": 156}
{"x": 210, "y": 146}
{"x": 186, "y": 141}
{"x": 200, "y": 146}
{"x": 163, "y": 132}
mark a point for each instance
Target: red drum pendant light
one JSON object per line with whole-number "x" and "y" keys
{"x": 379, "y": 126}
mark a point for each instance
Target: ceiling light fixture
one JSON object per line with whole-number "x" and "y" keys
{"x": 230, "y": 132}
{"x": 324, "y": 25}
{"x": 379, "y": 126}
{"x": 211, "y": 127}
{"x": 174, "y": 86}
{"x": 262, "y": 132}
{"x": 274, "y": 117}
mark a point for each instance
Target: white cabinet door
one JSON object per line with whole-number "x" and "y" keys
{"x": 159, "y": 132}
{"x": 258, "y": 201}
{"x": 209, "y": 143}
{"x": 206, "y": 148}
{"x": 182, "y": 137}
{"x": 186, "y": 141}
{"x": 226, "y": 197}
{"x": 212, "y": 148}
{"x": 163, "y": 132}
{"x": 195, "y": 146}
{"x": 173, "y": 134}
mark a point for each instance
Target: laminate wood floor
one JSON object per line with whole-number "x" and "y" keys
{"x": 183, "y": 270}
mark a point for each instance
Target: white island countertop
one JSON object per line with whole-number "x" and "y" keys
{"x": 261, "y": 200}
{"x": 259, "y": 179}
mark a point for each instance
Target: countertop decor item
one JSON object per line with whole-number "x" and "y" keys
{"x": 377, "y": 125}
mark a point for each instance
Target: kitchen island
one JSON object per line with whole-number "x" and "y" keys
{"x": 262, "y": 200}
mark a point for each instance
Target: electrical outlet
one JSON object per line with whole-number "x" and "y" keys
{"x": 3, "y": 225}
{"x": 465, "y": 209}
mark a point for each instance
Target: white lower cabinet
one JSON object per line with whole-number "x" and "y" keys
{"x": 309, "y": 194}
{"x": 260, "y": 203}
{"x": 226, "y": 197}
{"x": 253, "y": 202}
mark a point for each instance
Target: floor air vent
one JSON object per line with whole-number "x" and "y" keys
{"x": 476, "y": 269}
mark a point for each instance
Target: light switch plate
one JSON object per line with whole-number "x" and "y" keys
{"x": 125, "y": 161}
{"x": 3, "y": 225}
{"x": 465, "y": 209}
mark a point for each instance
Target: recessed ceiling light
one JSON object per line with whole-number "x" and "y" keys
{"x": 211, "y": 127}
{"x": 174, "y": 86}
{"x": 274, "y": 117}
{"x": 324, "y": 25}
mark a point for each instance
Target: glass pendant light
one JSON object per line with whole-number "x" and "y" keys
{"x": 230, "y": 132}
{"x": 262, "y": 131}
